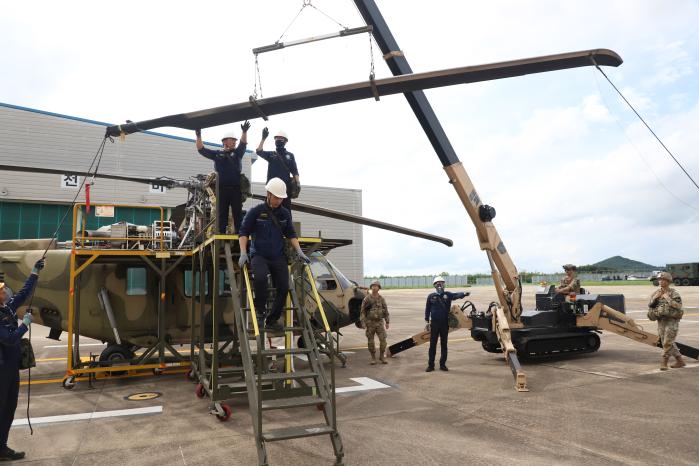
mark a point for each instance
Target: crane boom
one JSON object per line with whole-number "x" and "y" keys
{"x": 481, "y": 215}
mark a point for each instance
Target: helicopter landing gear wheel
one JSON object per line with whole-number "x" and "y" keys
{"x": 69, "y": 382}
{"x": 200, "y": 391}
{"x": 223, "y": 412}
{"x": 116, "y": 355}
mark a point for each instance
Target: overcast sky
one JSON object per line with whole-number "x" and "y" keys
{"x": 572, "y": 173}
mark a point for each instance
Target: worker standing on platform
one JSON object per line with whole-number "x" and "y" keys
{"x": 665, "y": 306}
{"x": 10, "y": 354}
{"x": 372, "y": 314}
{"x": 437, "y": 311}
{"x": 268, "y": 224}
{"x": 228, "y": 163}
{"x": 281, "y": 164}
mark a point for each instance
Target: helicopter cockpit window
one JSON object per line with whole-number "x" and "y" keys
{"x": 345, "y": 282}
{"x": 188, "y": 283}
{"x": 325, "y": 280}
{"x": 136, "y": 281}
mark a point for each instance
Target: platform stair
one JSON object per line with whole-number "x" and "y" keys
{"x": 271, "y": 386}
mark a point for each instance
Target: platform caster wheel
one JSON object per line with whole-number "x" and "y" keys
{"x": 157, "y": 371}
{"x": 199, "y": 391}
{"x": 69, "y": 382}
{"x": 226, "y": 413}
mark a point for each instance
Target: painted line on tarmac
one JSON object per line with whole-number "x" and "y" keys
{"x": 168, "y": 371}
{"x": 601, "y": 374}
{"x": 89, "y": 416}
{"x": 365, "y": 383}
{"x": 81, "y": 344}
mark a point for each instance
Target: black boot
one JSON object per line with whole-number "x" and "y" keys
{"x": 429, "y": 369}
{"x": 443, "y": 368}
{"x": 8, "y": 454}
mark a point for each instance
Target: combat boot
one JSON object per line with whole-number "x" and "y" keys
{"x": 373, "y": 358}
{"x": 680, "y": 363}
{"x": 382, "y": 359}
{"x": 663, "y": 363}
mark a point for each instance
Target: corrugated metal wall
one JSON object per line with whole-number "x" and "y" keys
{"x": 40, "y": 139}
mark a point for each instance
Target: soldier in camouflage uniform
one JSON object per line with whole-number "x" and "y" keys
{"x": 665, "y": 306}
{"x": 570, "y": 283}
{"x": 372, "y": 314}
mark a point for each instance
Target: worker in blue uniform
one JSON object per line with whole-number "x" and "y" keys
{"x": 10, "y": 354}
{"x": 437, "y": 311}
{"x": 228, "y": 163}
{"x": 281, "y": 164}
{"x": 269, "y": 224}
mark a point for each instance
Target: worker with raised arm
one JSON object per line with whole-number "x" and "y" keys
{"x": 228, "y": 163}
{"x": 372, "y": 314}
{"x": 10, "y": 354}
{"x": 281, "y": 164}
{"x": 437, "y": 311}
{"x": 665, "y": 306}
{"x": 570, "y": 283}
{"x": 269, "y": 224}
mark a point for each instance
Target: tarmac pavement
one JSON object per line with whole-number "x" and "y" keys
{"x": 610, "y": 407}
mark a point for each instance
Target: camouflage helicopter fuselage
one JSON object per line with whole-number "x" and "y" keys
{"x": 135, "y": 307}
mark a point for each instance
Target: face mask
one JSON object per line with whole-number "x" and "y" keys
{"x": 280, "y": 143}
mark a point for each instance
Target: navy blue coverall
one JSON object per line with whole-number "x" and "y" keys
{"x": 437, "y": 310}
{"x": 281, "y": 164}
{"x": 228, "y": 167}
{"x": 10, "y": 336}
{"x": 267, "y": 254}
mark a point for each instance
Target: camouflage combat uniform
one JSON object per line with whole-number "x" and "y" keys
{"x": 574, "y": 286}
{"x": 668, "y": 313}
{"x": 373, "y": 312}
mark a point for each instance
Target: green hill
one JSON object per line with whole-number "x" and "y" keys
{"x": 619, "y": 264}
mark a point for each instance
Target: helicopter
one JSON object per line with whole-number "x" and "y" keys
{"x": 118, "y": 296}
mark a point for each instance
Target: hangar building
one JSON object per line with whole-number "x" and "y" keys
{"x": 31, "y": 204}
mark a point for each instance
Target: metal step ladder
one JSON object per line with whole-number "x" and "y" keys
{"x": 284, "y": 388}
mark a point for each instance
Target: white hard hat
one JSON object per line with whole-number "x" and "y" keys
{"x": 277, "y": 187}
{"x": 281, "y": 134}
{"x": 437, "y": 279}
{"x": 230, "y": 134}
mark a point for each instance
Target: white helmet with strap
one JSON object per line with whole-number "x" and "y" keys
{"x": 230, "y": 135}
{"x": 281, "y": 134}
{"x": 277, "y": 187}
{"x": 437, "y": 280}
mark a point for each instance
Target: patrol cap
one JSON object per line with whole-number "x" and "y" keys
{"x": 569, "y": 267}
{"x": 375, "y": 282}
{"x": 437, "y": 280}
{"x": 665, "y": 276}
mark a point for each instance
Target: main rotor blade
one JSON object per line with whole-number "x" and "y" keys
{"x": 366, "y": 90}
{"x": 53, "y": 171}
{"x": 337, "y": 215}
